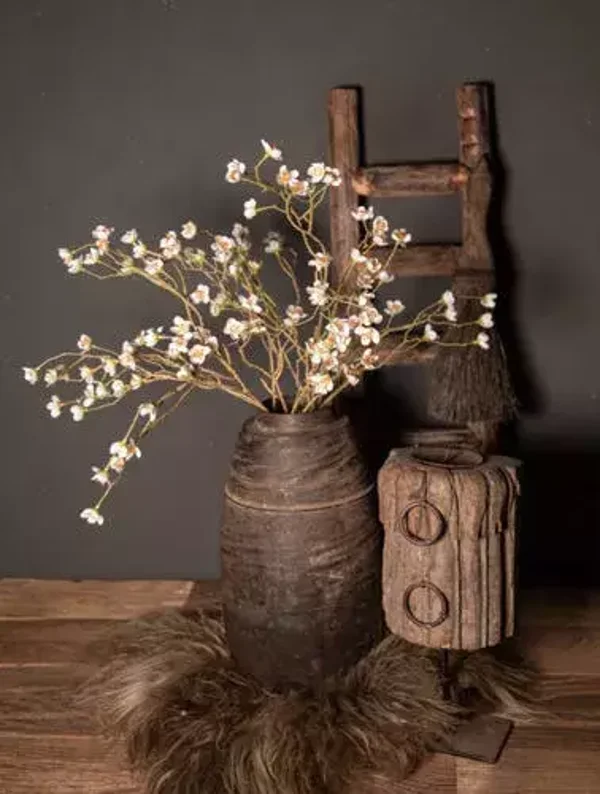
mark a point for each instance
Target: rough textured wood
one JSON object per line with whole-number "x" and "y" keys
{"x": 423, "y": 179}
{"x": 448, "y": 562}
{"x": 67, "y": 764}
{"x": 344, "y": 154}
{"x": 420, "y": 260}
{"x": 300, "y": 548}
{"x": 32, "y": 598}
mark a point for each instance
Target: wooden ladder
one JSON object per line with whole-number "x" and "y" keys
{"x": 469, "y": 176}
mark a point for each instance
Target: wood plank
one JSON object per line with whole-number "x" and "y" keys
{"x": 538, "y": 761}
{"x": 562, "y": 650}
{"x": 558, "y": 606}
{"x": 420, "y": 260}
{"x": 95, "y": 599}
{"x": 50, "y": 642}
{"x": 418, "y": 179}
{"x": 344, "y": 154}
{"x": 62, "y": 765}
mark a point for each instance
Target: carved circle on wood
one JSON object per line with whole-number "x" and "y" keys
{"x": 448, "y": 457}
{"x": 412, "y": 536}
{"x": 444, "y": 605}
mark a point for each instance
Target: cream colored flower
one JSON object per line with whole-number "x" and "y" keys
{"x": 401, "y": 236}
{"x": 273, "y": 243}
{"x": 89, "y": 395}
{"x": 149, "y": 337}
{"x": 116, "y": 463}
{"x": 65, "y": 255}
{"x": 84, "y": 343}
{"x": 250, "y": 208}
{"x": 149, "y": 410}
{"x": 357, "y": 258}
{"x": 448, "y": 298}
{"x": 294, "y": 315}
{"x": 198, "y": 354}
{"x": 369, "y": 359}
{"x": 184, "y": 373}
{"x": 483, "y": 340}
{"x": 129, "y": 237}
{"x": 119, "y": 449}
{"x": 236, "y": 329}
{"x": 223, "y": 248}
{"x": 77, "y": 412}
{"x": 100, "y": 476}
{"x": 92, "y": 516}
{"x": 92, "y": 257}
{"x": 300, "y": 187}
{"x": 127, "y": 358}
{"x": 429, "y": 333}
{"x": 332, "y": 177}
{"x": 101, "y": 391}
{"x": 102, "y": 233}
{"x": 109, "y": 365}
{"x": 385, "y": 277}
{"x": 316, "y": 172}
{"x": 450, "y": 314}
{"x": 250, "y": 303}
{"x": 30, "y": 375}
{"x": 153, "y": 265}
{"x": 489, "y": 301}
{"x": 320, "y": 261}
{"x": 285, "y": 177}
{"x": 54, "y": 407}
{"x": 139, "y": 250}
{"x": 136, "y": 381}
{"x": 235, "y": 171}
{"x": 363, "y": 214}
{"x": 189, "y": 230}
{"x": 370, "y": 316}
{"x": 317, "y": 293}
{"x": 486, "y": 320}
{"x": 50, "y": 377}
{"x": 170, "y": 245}
{"x": 118, "y": 388}
{"x": 271, "y": 151}
{"x": 321, "y": 383}
{"x": 367, "y": 335}
{"x": 76, "y": 264}
{"x": 201, "y": 294}
{"x": 217, "y": 304}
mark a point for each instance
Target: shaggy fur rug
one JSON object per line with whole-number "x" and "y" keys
{"x": 193, "y": 724}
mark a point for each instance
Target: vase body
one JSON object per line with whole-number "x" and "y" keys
{"x": 300, "y": 550}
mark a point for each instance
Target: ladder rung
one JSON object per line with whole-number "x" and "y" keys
{"x": 391, "y": 353}
{"x": 421, "y": 260}
{"x": 410, "y": 180}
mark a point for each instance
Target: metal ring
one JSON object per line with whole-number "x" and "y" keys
{"x": 445, "y": 606}
{"x": 416, "y": 539}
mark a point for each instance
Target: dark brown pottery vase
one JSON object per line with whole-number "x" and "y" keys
{"x": 301, "y": 550}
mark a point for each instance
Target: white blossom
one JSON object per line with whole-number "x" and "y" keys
{"x": 77, "y": 412}
{"x": 450, "y": 314}
{"x": 351, "y": 377}
{"x": 139, "y": 250}
{"x": 118, "y": 388}
{"x": 76, "y": 264}
{"x": 54, "y": 407}
{"x": 235, "y": 329}
{"x": 65, "y": 255}
{"x": 102, "y": 233}
{"x": 299, "y": 187}
{"x": 235, "y": 171}
{"x": 149, "y": 337}
{"x": 294, "y": 315}
{"x": 250, "y": 303}
{"x": 177, "y": 347}
{"x": 223, "y": 248}
{"x": 486, "y": 320}
{"x": 170, "y": 245}
{"x": 379, "y": 230}
{"x": 273, "y": 243}
{"x": 385, "y": 277}
{"x": 149, "y": 410}
{"x": 116, "y": 463}
{"x": 489, "y": 301}
{"x": 367, "y": 335}
{"x": 358, "y": 258}
{"x": 217, "y": 304}
{"x": 201, "y": 294}
{"x": 84, "y": 342}
{"x": 370, "y": 316}
{"x": 401, "y": 236}
{"x": 198, "y": 354}
{"x": 250, "y": 208}
{"x": 129, "y": 237}
{"x": 317, "y": 293}
{"x": 363, "y": 213}
{"x": 127, "y": 358}
{"x": 100, "y": 476}
{"x": 369, "y": 359}
{"x": 89, "y": 396}
{"x": 30, "y": 375}
{"x": 109, "y": 365}
{"x": 285, "y": 177}
{"x": 136, "y": 381}
{"x": 92, "y": 516}
{"x": 394, "y": 307}
{"x": 50, "y": 377}
{"x": 448, "y": 298}
{"x": 483, "y": 340}
{"x": 189, "y": 230}
{"x": 320, "y": 261}
{"x": 429, "y": 333}
{"x": 101, "y": 391}
{"x": 240, "y": 234}
{"x": 271, "y": 151}
{"x": 332, "y": 176}
{"x": 184, "y": 373}
{"x": 321, "y": 383}
{"x": 316, "y": 172}
{"x": 92, "y": 257}
{"x": 322, "y": 353}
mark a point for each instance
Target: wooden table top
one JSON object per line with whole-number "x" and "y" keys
{"x": 49, "y": 747}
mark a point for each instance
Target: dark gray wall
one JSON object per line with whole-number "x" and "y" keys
{"x": 126, "y": 112}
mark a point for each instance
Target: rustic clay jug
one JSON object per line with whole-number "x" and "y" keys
{"x": 301, "y": 550}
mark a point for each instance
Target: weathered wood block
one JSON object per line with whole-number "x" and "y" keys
{"x": 449, "y": 551}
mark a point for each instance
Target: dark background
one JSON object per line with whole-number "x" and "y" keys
{"x": 126, "y": 112}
